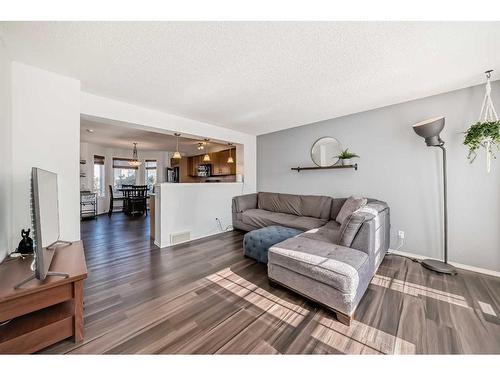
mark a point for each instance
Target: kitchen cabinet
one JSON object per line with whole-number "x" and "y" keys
{"x": 220, "y": 165}
{"x": 191, "y": 166}
{"x": 232, "y": 166}
{"x": 185, "y": 171}
{"x": 174, "y": 162}
{"x": 217, "y": 167}
{"x": 218, "y": 161}
{"x": 194, "y": 161}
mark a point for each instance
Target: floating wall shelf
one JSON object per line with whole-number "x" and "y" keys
{"x": 298, "y": 169}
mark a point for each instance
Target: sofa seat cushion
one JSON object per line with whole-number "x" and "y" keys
{"x": 339, "y": 267}
{"x": 330, "y": 232}
{"x": 262, "y": 218}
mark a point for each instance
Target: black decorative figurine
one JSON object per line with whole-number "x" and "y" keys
{"x": 26, "y": 244}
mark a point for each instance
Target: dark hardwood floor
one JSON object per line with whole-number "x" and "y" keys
{"x": 205, "y": 297}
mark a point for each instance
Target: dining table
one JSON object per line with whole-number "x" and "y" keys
{"x": 134, "y": 199}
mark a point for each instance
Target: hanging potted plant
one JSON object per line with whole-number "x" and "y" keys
{"x": 483, "y": 134}
{"x": 345, "y": 157}
{"x": 486, "y": 132}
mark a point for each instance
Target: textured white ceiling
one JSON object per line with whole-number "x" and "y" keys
{"x": 123, "y": 136}
{"x": 259, "y": 77}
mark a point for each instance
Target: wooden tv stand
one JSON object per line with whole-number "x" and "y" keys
{"x": 42, "y": 313}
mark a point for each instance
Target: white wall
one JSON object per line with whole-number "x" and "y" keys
{"x": 101, "y": 107}
{"x": 45, "y": 134}
{"x": 6, "y": 241}
{"x": 397, "y": 167}
{"x": 45, "y": 123}
{"x": 192, "y": 208}
{"x": 87, "y": 152}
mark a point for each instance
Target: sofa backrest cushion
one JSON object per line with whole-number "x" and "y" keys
{"x": 275, "y": 202}
{"x": 301, "y": 205}
{"x": 351, "y": 204}
{"x": 337, "y": 204}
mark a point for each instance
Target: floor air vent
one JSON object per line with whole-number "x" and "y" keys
{"x": 180, "y": 237}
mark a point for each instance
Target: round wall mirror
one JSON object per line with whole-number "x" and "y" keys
{"x": 325, "y": 151}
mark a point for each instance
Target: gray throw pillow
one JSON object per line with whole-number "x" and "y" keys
{"x": 351, "y": 226}
{"x": 351, "y": 204}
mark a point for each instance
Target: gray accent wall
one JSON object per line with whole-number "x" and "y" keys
{"x": 397, "y": 167}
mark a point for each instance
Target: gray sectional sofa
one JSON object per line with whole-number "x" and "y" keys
{"x": 330, "y": 262}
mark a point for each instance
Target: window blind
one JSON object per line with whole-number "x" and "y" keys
{"x": 122, "y": 163}
{"x": 150, "y": 164}
{"x": 99, "y": 160}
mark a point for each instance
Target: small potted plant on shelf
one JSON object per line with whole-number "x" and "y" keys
{"x": 345, "y": 157}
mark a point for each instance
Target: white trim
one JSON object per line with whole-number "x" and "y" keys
{"x": 458, "y": 265}
{"x": 190, "y": 240}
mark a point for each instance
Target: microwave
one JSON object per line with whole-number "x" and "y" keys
{"x": 204, "y": 170}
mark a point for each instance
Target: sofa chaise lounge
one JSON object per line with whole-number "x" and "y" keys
{"x": 333, "y": 261}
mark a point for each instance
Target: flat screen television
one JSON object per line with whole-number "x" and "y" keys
{"x": 45, "y": 223}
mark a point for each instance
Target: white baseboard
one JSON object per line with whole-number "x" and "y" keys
{"x": 458, "y": 265}
{"x": 193, "y": 239}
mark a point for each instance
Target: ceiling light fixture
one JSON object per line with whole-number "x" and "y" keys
{"x": 177, "y": 154}
{"x": 207, "y": 156}
{"x": 90, "y": 130}
{"x": 230, "y": 159}
{"x": 200, "y": 146}
{"x": 135, "y": 160}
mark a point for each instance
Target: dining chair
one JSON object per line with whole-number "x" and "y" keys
{"x": 112, "y": 199}
{"x": 137, "y": 200}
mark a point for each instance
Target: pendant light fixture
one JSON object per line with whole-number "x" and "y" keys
{"x": 135, "y": 160}
{"x": 177, "y": 154}
{"x": 207, "y": 156}
{"x": 230, "y": 159}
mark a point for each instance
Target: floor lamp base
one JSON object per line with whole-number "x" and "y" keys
{"x": 438, "y": 266}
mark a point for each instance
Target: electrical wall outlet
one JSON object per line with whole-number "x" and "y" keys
{"x": 401, "y": 234}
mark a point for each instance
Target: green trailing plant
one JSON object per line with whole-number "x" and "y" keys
{"x": 477, "y": 136}
{"x": 346, "y": 154}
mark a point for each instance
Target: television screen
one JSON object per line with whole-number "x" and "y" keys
{"x": 45, "y": 214}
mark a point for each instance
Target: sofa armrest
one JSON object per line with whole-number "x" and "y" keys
{"x": 244, "y": 202}
{"x": 373, "y": 237}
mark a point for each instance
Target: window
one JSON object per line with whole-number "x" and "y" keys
{"x": 123, "y": 173}
{"x": 150, "y": 173}
{"x": 99, "y": 182}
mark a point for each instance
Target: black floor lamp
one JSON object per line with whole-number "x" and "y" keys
{"x": 430, "y": 129}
